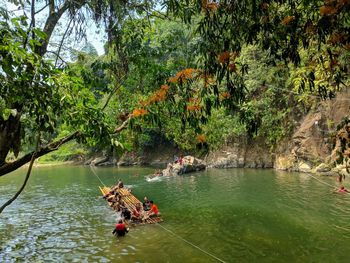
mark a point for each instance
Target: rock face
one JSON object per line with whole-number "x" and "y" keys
{"x": 241, "y": 154}
{"x": 310, "y": 149}
{"x": 189, "y": 164}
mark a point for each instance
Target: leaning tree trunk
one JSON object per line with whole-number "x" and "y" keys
{"x": 10, "y": 136}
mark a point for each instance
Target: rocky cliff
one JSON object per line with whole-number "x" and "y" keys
{"x": 309, "y": 149}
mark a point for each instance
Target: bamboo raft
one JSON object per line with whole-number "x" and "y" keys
{"x": 130, "y": 202}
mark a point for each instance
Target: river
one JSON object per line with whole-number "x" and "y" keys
{"x": 236, "y": 215}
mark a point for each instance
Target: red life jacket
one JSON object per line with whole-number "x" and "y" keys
{"x": 155, "y": 209}
{"x": 120, "y": 227}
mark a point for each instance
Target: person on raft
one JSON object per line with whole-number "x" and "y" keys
{"x": 120, "y": 229}
{"x": 146, "y": 204}
{"x": 120, "y": 183}
{"x": 342, "y": 189}
{"x": 154, "y": 209}
{"x": 126, "y": 214}
{"x": 137, "y": 213}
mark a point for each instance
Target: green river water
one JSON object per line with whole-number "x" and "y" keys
{"x": 237, "y": 215}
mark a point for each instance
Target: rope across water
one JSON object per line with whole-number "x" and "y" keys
{"x": 193, "y": 245}
{"x": 322, "y": 182}
{"x": 96, "y": 175}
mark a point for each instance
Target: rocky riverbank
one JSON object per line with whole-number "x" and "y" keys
{"x": 312, "y": 148}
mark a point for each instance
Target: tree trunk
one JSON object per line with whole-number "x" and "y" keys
{"x": 10, "y": 137}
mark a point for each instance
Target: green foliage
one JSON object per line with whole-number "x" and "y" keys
{"x": 313, "y": 35}
{"x": 42, "y": 96}
{"x": 28, "y": 83}
{"x": 267, "y": 111}
{"x": 237, "y": 68}
{"x": 222, "y": 128}
{"x": 71, "y": 151}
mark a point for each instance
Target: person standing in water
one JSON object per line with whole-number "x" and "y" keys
{"x": 342, "y": 189}
{"x": 120, "y": 229}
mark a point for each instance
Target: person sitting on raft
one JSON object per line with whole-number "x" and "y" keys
{"x": 120, "y": 183}
{"x": 342, "y": 189}
{"x": 126, "y": 214}
{"x": 181, "y": 160}
{"x": 154, "y": 209}
{"x": 146, "y": 204}
{"x": 111, "y": 195}
{"x": 120, "y": 229}
{"x": 137, "y": 213}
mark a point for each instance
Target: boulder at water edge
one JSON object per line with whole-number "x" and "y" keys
{"x": 189, "y": 164}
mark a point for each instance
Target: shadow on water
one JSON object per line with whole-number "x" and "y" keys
{"x": 238, "y": 215}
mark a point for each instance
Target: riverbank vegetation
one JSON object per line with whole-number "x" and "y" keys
{"x": 193, "y": 74}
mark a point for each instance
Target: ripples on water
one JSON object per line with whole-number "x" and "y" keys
{"x": 237, "y": 215}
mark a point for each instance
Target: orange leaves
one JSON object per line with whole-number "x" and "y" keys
{"x": 224, "y": 95}
{"x": 157, "y": 96}
{"x": 164, "y": 87}
{"x": 224, "y": 57}
{"x": 327, "y": 10}
{"x": 173, "y": 79}
{"x": 193, "y": 107}
{"x": 332, "y": 7}
{"x": 183, "y": 75}
{"x": 139, "y": 112}
{"x": 201, "y": 138}
{"x": 228, "y": 59}
{"x": 336, "y": 38}
{"x": 208, "y": 80}
{"x": 287, "y": 20}
{"x": 194, "y": 104}
{"x": 209, "y": 5}
{"x": 227, "y": 56}
{"x": 264, "y": 6}
{"x": 232, "y": 67}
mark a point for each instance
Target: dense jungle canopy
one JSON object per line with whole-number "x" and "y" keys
{"x": 194, "y": 73}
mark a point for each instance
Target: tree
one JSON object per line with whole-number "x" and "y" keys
{"x": 283, "y": 28}
{"x": 35, "y": 95}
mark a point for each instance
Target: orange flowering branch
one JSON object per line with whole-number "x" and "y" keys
{"x": 201, "y": 138}
{"x": 139, "y": 112}
{"x": 209, "y": 5}
{"x": 226, "y": 57}
{"x": 183, "y": 75}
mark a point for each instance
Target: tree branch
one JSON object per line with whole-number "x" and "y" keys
{"x": 32, "y": 12}
{"x": 52, "y": 20}
{"x": 62, "y": 40}
{"x": 114, "y": 91}
{"x": 57, "y": 56}
{"x": 52, "y": 7}
{"x": 123, "y": 125}
{"x": 41, "y": 9}
{"x": 10, "y": 167}
{"x": 25, "y": 180}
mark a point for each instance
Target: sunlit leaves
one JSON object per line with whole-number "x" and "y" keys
{"x": 281, "y": 27}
